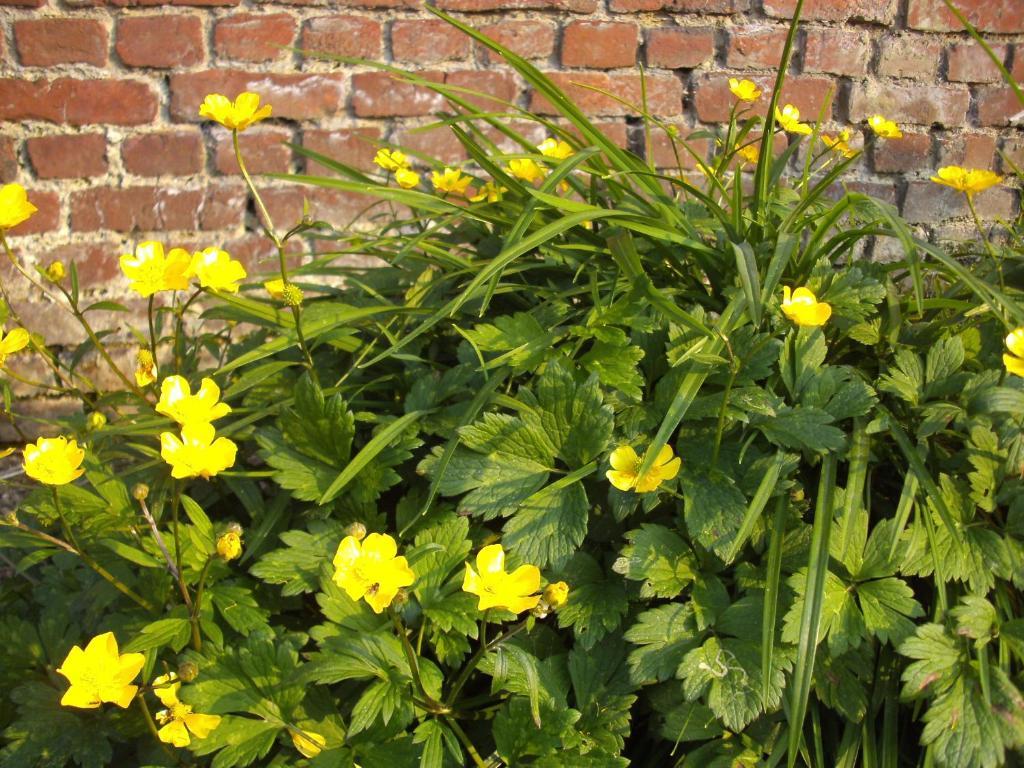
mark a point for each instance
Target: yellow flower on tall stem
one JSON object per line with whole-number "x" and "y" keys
{"x": 14, "y": 341}
{"x": 744, "y": 90}
{"x": 803, "y": 308}
{"x": 1014, "y": 360}
{"x": 234, "y": 115}
{"x": 970, "y": 181}
{"x": 229, "y": 545}
{"x": 14, "y": 206}
{"x": 178, "y": 719}
{"x": 750, "y": 153}
{"x": 886, "y": 129}
{"x": 178, "y": 402}
{"x": 625, "y": 472}
{"x": 840, "y": 143}
{"x": 371, "y": 569}
{"x": 495, "y": 588}
{"x": 789, "y": 119}
{"x": 391, "y": 159}
{"x": 151, "y": 271}
{"x": 407, "y": 179}
{"x": 216, "y": 269}
{"x": 145, "y": 368}
{"x": 526, "y": 170}
{"x": 555, "y": 148}
{"x": 490, "y": 192}
{"x": 54, "y": 460}
{"x": 100, "y": 674}
{"x": 451, "y": 181}
{"x": 196, "y": 453}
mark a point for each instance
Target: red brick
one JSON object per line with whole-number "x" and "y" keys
{"x": 77, "y": 102}
{"x": 439, "y": 144}
{"x": 487, "y": 90}
{"x": 354, "y": 146}
{"x": 254, "y": 37}
{"x": 350, "y": 3}
{"x": 379, "y": 94}
{"x": 664, "y": 93}
{"x": 97, "y": 263}
{"x": 967, "y": 149}
{"x": 170, "y": 153}
{"x": 997, "y": 104}
{"x": 968, "y": 63}
{"x": 163, "y": 42}
{"x": 149, "y": 208}
{"x": 427, "y": 41}
{"x": 24, "y": 3}
{"x": 917, "y": 104}
{"x": 913, "y": 56}
{"x": 263, "y": 151}
{"x": 680, "y": 47}
{"x": 756, "y": 48}
{"x": 530, "y": 38}
{"x": 911, "y": 153}
{"x": 599, "y": 44}
{"x": 334, "y": 206}
{"x": 714, "y": 100}
{"x": 684, "y": 6}
{"x": 1017, "y": 70}
{"x": 1013, "y": 149}
{"x": 45, "y": 42}
{"x": 837, "y": 51}
{"x": 880, "y": 11}
{"x": 68, "y": 157}
{"x": 46, "y": 219}
{"x": 355, "y": 36}
{"x": 927, "y": 202}
{"x": 8, "y": 160}
{"x": 293, "y": 96}
{"x": 661, "y": 154}
{"x": 471, "y": 6}
{"x": 1001, "y": 16}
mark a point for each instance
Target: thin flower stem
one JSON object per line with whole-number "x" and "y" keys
{"x": 478, "y": 656}
{"x": 988, "y": 246}
{"x": 175, "y": 572}
{"x": 175, "y": 502}
{"x": 151, "y": 725}
{"x": 433, "y": 706}
{"x": 466, "y": 743}
{"x": 152, "y": 327}
{"x": 179, "y": 325}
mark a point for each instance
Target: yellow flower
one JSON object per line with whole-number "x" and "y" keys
{"x": 100, "y": 674}
{"x": 749, "y": 154}
{"x": 308, "y": 743}
{"x": 840, "y": 143}
{"x": 497, "y": 589}
{"x": 370, "y": 569}
{"x": 744, "y": 90}
{"x": 178, "y": 402}
{"x": 14, "y": 206}
{"x": 451, "y": 181}
{"x": 886, "y": 129}
{"x": 391, "y": 159}
{"x": 216, "y": 269}
{"x": 229, "y": 545}
{"x": 624, "y": 473}
{"x": 96, "y": 420}
{"x": 1014, "y": 361}
{"x": 407, "y": 179}
{"x": 196, "y": 453}
{"x": 150, "y": 271}
{"x": 54, "y": 460}
{"x": 526, "y": 170}
{"x": 15, "y": 341}
{"x": 490, "y": 192}
{"x": 789, "y": 118}
{"x": 803, "y": 308}
{"x": 237, "y": 115}
{"x": 970, "y": 181}
{"x": 178, "y": 719}
{"x": 557, "y": 594}
{"x": 145, "y": 368}
{"x": 55, "y": 272}
{"x": 552, "y": 147}
{"x": 275, "y": 288}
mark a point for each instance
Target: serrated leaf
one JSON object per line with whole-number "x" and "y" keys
{"x": 665, "y": 635}
{"x": 659, "y": 558}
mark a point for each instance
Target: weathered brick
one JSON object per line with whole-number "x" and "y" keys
{"x": 529, "y": 38}
{"x": 263, "y": 151}
{"x": 293, "y": 96}
{"x": 714, "y": 100}
{"x": 599, "y": 44}
{"x": 152, "y": 208}
{"x": 997, "y": 104}
{"x": 334, "y": 206}
{"x": 353, "y": 146}
{"x": 46, "y": 219}
{"x": 661, "y": 154}
{"x": 77, "y": 102}
{"x": 879, "y": 11}
{"x": 379, "y": 94}
{"x": 8, "y": 160}
{"x": 68, "y": 157}
{"x": 911, "y": 153}
{"x": 664, "y": 93}
{"x": 1013, "y": 148}
{"x": 472, "y": 6}
{"x": 967, "y": 149}
{"x": 756, "y": 47}
{"x": 254, "y": 37}
{"x": 46, "y": 42}
{"x": 1001, "y": 16}
{"x": 927, "y": 202}
{"x": 680, "y": 47}
{"x": 968, "y": 63}
{"x": 428, "y": 41}
{"x": 171, "y": 153}
{"x": 163, "y": 42}
{"x": 680, "y": 6}
{"x": 837, "y": 51}
{"x": 24, "y": 3}
{"x": 438, "y": 143}
{"x": 487, "y": 90}
{"x": 97, "y": 263}
{"x": 37, "y": 416}
{"x": 355, "y": 36}
{"x": 914, "y": 56}
{"x": 917, "y": 104}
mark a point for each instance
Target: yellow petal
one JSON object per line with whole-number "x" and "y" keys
{"x": 82, "y": 698}
{"x": 621, "y": 480}
{"x": 379, "y": 545}
{"x": 174, "y": 733}
{"x": 121, "y": 695}
{"x": 671, "y": 469}
{"x": 664, "y": 455}
{"x": 14, "y": 341}
{"x": 524, "y": 580}
{"x": 471, "y": 581}
{"x": 201, "y": 725}
{"x": 1015, "y": 342}
{"x": 1014, "y": 365}
{"x": 624, "y": 459}
{"x": 490, "y": 559}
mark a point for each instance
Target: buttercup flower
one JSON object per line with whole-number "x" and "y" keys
{"x": 526, "y": 170}
{"x": 196, "y": 453}
{"x": 555, "y": 148}
{"x": 178, "y": 402}
{"x": 229, "y": 545}
{"x": 407, "y": 179}
{"x": 178, "y": 719}
{"x": 887, "y": 129}
{"x": 789, "y": 118}
{"x": 145, "y": 368}
{"x": 15, "y": 341}
{"x": 96, "y": 420}
{"x": 497, "y": 589}
{"x": 370, "y": 569}
{"x": 840, "y": 143}
{"x": 100, "y": 674}
{"x": 14, "y": 206}
{"x": 216, "y": 269}
{"x": 55, "y": 272}
{"x": 557, "y": 594}
{"x": 150, "y": 271}
{"x": 744, "y": 90}
{"x": 237, "y": 115}
{"x": 970, "y": 181}
{"x": 1014, "y": 361}
{"x": 391, "y": 159}
{"x": 490, "y": 192}
{"x": 625, "y": 470}
{"x": 451, "y": 181}
{"x": 803, "y": 308}
{"x": 749, "y": 154}
{"x": 308, "y": 743}
{"x": 54, "y": 460}
{"x": 275, "y": 288}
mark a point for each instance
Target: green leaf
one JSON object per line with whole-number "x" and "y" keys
{"x": 549, "y": 526}
{"x": 519, "y": 337}
{"x": 495, "y": 484}
{"x": 318, "y": 427}
{"x": 659, "y": 558}
{"x": 306, "y": 556}
{"x": 241, "y": 740}
{"x": 204, "y": 537}
{"x": 173, "y": 632}
{"x": 665, "y": 635}
{"x": 596, "y": 603}
{"x": 802, "y": 428}
{"x": 616, "y": 367}
{"x": 714, "y": 509}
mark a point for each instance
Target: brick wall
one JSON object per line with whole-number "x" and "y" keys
{"x": 98, "y": 100}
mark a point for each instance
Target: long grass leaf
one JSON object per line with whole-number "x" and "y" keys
{"x": 773, "y": 578}
{"x": 757, "y": 504}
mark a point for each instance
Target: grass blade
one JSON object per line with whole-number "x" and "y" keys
{"x": 756, "y": 507}
{"x": 771, "y": 594}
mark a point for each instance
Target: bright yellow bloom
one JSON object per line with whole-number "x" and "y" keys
{"x": 216, "y": 269}
{"x": 14, "y": 206}
{"x": 556, "y": 595}
{"x": 490, "y": 192}
{"x": 526, "y": 170}
{"x": 55, "y": 272}
{"x": 196, "y": 453}
{"x": 970, "y": 181}
{"x": 229, "y": 545}
{"x": 497, "y": 589}
{"x": 96, "y": 420}
{"x": 625, "y": 470}
{"x": 744, "y": 90}
{"x": 178, "y": 719}
{"x": 451, "y": 181}
{"x": 407, "y": 179}
{"x": 1014, "y": 361}
{"x": 145, "y": 368}
{"x": 15, "y": 341}
{"x": 54, "y": 460}
{"x": 308, "y": 743}
{"x": 391, "y": 159}
{"x": 840, "y": 143}
{"x": 100, "y": 674}
{"x": 803, "y": 308}
{"x": 150, "y": 271}
{"x": 789, "y": 118}
{"x": 887, "y": 129}
{"x": 555, "y": 148}
{"x": 750, "y": 153}
{"x": 370, "y": 569}
{"x": 275, "y": 288}
{"x": 178, "y": 402}
{"x": 237, "y": 115}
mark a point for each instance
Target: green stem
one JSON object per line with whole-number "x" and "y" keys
{"x": 175, "y": 503}
{"x": 152, "y": 327}
{"x": 151, "y": 725}
{"x": 466, "y": 743}
{"x": 988, "y": 246}
{"x": 433, "y": 706}
{"x": 721, "y": 414}
{"x": 478, "y": 656}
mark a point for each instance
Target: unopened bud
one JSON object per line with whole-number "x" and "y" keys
{"x": 401, "y": 598}
{"x": 188, "y": 671}
{"x": 96, "y": 420}
{"x": 291, "y": 295}
{"x": 556, "y": 595}
{"x": 798, "y": 494}
{"x": 229, "y": 545}
{"x": 10, "y": 517}
{"x": 357, "y": 531}
{"x": 140, "y": 491}
{"x": 55, "y": 272}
